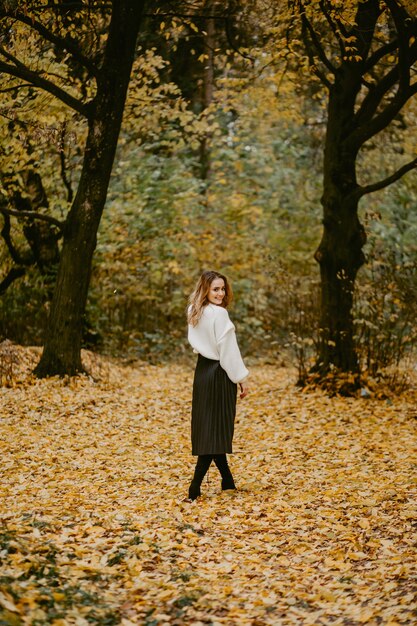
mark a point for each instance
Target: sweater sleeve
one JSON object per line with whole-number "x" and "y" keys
{"x": 230, "y": 357}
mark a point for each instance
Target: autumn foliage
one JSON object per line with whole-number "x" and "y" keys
{"x": 219, "y": 164}
{"x": 95, "y": 531}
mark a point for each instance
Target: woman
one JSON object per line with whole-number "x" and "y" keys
{"x": 219, "y": 370}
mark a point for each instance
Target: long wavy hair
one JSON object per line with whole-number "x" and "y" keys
{"x": 199, "y": 298}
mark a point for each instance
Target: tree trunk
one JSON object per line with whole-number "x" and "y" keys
{"x": 340, "y": 253}
{"x": 340, "y": 256}
{"x": 62, "y": 349}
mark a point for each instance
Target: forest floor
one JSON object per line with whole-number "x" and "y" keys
{"x": 95, "y": 529}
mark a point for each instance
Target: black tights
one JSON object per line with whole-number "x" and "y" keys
{"x": 201, "y": 468}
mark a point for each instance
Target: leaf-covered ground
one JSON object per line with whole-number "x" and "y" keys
{"x": 321, "y": 531}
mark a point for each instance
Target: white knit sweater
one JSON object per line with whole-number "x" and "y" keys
{"x": 214, "y": 337}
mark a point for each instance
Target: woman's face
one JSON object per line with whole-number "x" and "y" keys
{"x": 217, "y": 291}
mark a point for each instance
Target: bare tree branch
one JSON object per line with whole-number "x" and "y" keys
{"x": 373, "y": 126}
{"x": 70, "y": 6}
{"x": 75, "y": 6}
{"x": 366, "y": 18}
{"x": 67, "y": 183}
{"x": 379, "y": 54}
{"x": 333, "y": 27}
{"x": 228, "y": 31}
{"x": 399, "y": 73}
{"x": 6, "y": 234}
{"x": 191, "y": 16}
{"x": 315, "y": 45}
{"x": 366, "y": 123}
{"x": 310, "y": 49}
{"x": 374, "y": 97}
{"x": 24, "y": 73}
{"x": 399, "y": 17}
{"x": 66, "y": 43}
{"x": 12, "y": 275}
{"x": 36, "y": 216}
{"x": 10, "y": 57}
{"x": 16, "y": 87}
{"x": 385, "y": 182}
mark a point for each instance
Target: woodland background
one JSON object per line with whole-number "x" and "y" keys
{"x": 219, "y": 164}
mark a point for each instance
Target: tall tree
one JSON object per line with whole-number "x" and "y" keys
{"x": 101, "y": 99}
{"x": 364, "y": 53}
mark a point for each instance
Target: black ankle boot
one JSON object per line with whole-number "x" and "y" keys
{"x": 202, "y": 465}
{"x": 228, "y": 483}
{"x": 194, "y": 490}
{"x": 224, "y": 469}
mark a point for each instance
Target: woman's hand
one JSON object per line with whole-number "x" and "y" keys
{"x": 244, "y": 390}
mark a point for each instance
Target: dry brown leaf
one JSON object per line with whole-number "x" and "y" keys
{"x": 321, "y": 530}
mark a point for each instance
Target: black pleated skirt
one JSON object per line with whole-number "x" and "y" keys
{"x": 213, "y": 409}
